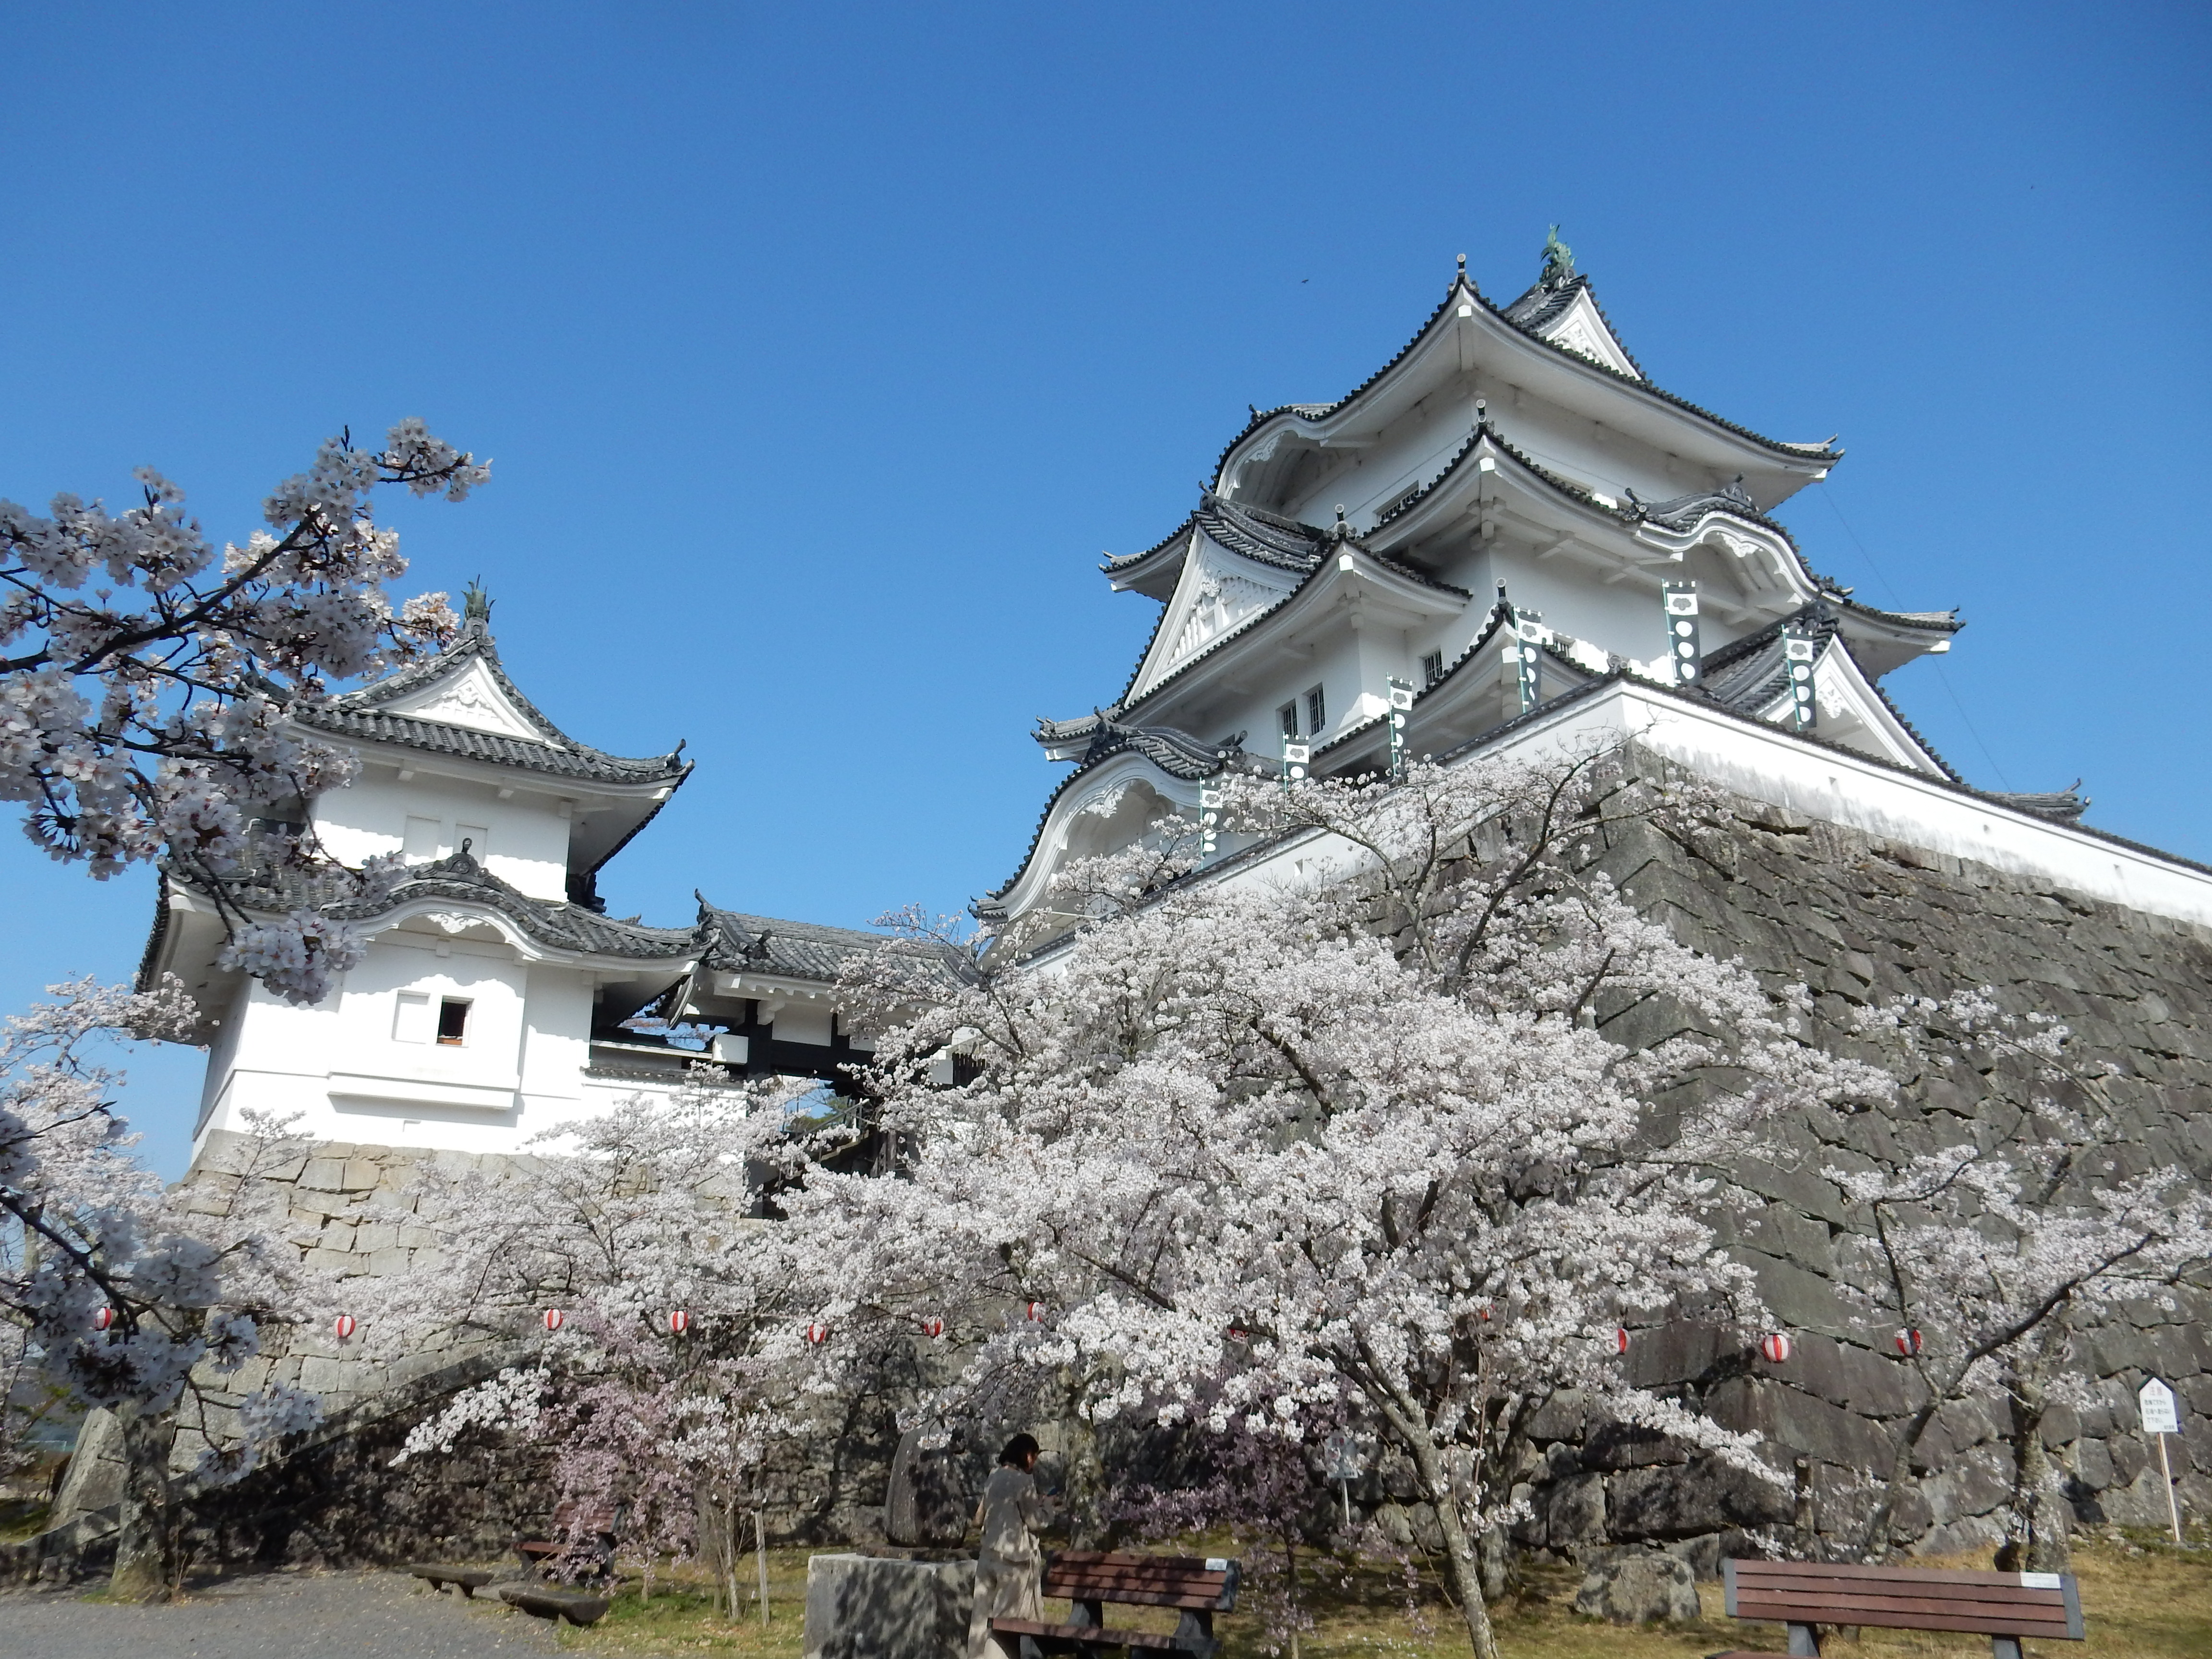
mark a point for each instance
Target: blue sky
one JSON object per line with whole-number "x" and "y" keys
{"x": 821, "y": 350}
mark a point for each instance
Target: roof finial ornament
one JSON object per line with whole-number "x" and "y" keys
{"x": 1558, "y": 261}
{"x": 475, "y": 604}
{"x": 1340, "y": 529}
{"x": 1462, "y": 267}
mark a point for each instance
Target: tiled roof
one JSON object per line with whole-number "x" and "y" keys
{"x": 364, "y": 716}
{"x": 1541, "y": 305}
{"x": 736, "y": 942}
{"x": 1747, "y": 675}
{"x": 460, "y": 879}
{"x": 1176, "y": 753}
{"x": 1681, "y": 514}
{"x": 1542, "y": 311}
{"x": 2061, "y": 806}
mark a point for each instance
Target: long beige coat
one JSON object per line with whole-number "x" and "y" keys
{"x": 1010, "y": 1568}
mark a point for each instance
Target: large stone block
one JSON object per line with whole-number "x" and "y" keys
{"x": 1794, "y": 1420}
{"x": 1679, "y": 1352}
{"x": 861, "y": 1607}
{"x": 926, "y": 1501}
{"x": 1629, "y": 1446}
{"x": 1574, "y": 1512}
{"x": 1638, "y": 1587}
{"x": 1682, "y": 1501}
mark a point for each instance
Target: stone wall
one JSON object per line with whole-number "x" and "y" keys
{"x": 1857, "y": 919}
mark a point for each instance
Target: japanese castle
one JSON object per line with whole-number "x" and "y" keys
{"x": 1506, "y": 535}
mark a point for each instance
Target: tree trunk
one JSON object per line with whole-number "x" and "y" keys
{"x": 1083, "y": 1472}
{"x": 2038, "y": 1543}
{"x": 1460, "y": 1565}
{"x": 146, "y": 1567}
{"x": 1900, "y": 1477}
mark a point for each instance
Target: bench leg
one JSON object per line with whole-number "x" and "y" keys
{"x": 1804, "y": 1642}
{"x": 2004, "y": 1647}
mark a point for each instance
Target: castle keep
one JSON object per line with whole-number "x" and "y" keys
{"x": 1507, "y": 538}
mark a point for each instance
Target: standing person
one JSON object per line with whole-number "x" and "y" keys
{"x": 1009, "y": 1566}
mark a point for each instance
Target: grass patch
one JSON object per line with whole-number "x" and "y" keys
{"x": 2141, "y": 1597}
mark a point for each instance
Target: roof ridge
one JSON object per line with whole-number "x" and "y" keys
{"x": 1462, "y": 283}
{"x": 368, "y": 707}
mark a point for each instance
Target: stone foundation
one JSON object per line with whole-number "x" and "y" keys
{"x": 1856, "y": 919}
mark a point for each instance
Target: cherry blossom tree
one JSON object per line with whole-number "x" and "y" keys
{"x": 1237, "y": 1151}
{"x": 1988, "y": 1256}
{"x": 1261, "y": 1489}
{"x": 121, "y": 1295}
{"x": 677, "y": 1361}
{"x": 145, "y": 674}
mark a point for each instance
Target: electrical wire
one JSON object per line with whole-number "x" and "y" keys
{"x": 1896, "y": 603}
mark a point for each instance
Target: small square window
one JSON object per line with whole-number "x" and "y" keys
{"x": 1316, "y": 712}
{"x": 1288, "y": 716}
{"x": 452, "y": 1022}
{"x": 1432, "y": 668}
{"x": 410, "y": 1019}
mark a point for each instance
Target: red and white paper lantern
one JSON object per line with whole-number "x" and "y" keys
{"x": 1775, "y": 1346}
{"x": 554, "y": 1319}
{"x": 1034, "y": 1312}
{"x": 817, "y": 1335}
{"x": 345, "y": 1325}
{"x": 933, "y": 1327}
{"x": 1908, "y": 1343}
{"x": 104, "y": 1318}
{"x": 1620, "y": 1338}
{"x": 678, "y": 1322}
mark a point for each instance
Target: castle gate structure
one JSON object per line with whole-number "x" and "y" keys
{"x": 1506, "y": 539}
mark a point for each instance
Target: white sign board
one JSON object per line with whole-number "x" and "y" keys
{"x": 2155, "y": 1402}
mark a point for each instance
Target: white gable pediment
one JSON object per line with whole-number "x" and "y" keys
{"x": 471, "y": 697}
{"x": 1852, "y": 713}
{"x": 1581, "y": 329}
{"x": 1217, "y": 592}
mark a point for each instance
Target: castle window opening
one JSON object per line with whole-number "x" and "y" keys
{"x": 453, "y": 1022}
{"x": 1432, "y": 669}
{"x": 1316, "y": 712}
{"x": 1288, "y": 714}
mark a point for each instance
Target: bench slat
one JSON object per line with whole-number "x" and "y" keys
{"x": 1103, "y": 1635}
{"x": 1993, "y": 1604}
{"x": 1142, "y": 1581}
{"x": 1993, "y": 1618}
{"x": 1120, "y": 1576}
{"x": 1764, "y": 1572}
{"x": 1138, "y": 1598}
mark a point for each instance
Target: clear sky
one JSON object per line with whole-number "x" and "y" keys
{"x": 821, "y": 350}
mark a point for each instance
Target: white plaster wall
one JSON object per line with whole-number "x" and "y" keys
{"x": 371, "y": 1058}
{"x": 341, "y": 1068}
{"x": 556, "y": 1045}
{"x": 528, "y": 838}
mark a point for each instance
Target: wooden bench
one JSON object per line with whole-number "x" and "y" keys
{"x": 467, "y": 1580}
{"x": 1091, "y": 1579}
{"x": 595, "y": 1558}
{"x": 548, "y": 1601}
{"x": 2007, "y": 1607}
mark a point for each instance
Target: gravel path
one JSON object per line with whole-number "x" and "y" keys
{"x": 282, "y": 1615}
